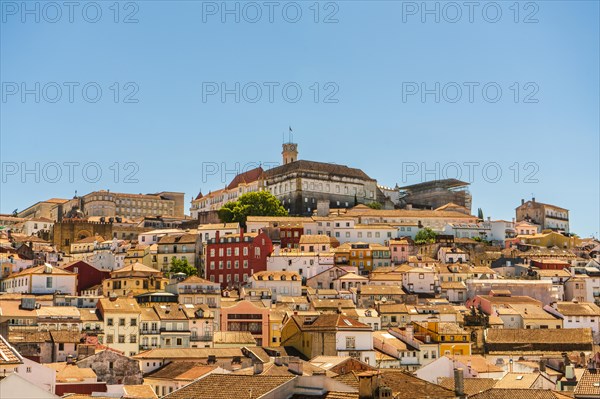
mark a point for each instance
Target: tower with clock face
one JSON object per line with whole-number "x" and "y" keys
{"x": 289, "y": 153}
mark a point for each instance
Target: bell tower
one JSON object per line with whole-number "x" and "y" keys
{"x": 289, "y": 152}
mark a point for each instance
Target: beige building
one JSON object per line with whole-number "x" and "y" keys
{"x": 134, "y": 279}
{"x": 109, "y": 204}
{"x": 547, "y": 216}
{"x": 122, "y": 317}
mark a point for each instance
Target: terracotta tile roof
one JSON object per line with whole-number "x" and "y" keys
{"x": 120, "y": 305}
{"x": 321, "y": 304}
{"x": 42, "y": 269}
{"x": 539, "y": 340}
{"x": 498, "y": 393}
{"x": 170, "y": 312}
{"x": 403, "y": 385}
{"x": 478, "y": 363}
{"x": 578, "y": 308}
{"x": 318, "y": 167}
{"x": 8, "y": 354}
{"x": 178, "y": 239}
{"x": 181, "y": 371}
{"x": 138, "y": 392}
{"x": 197, "y": 280}
{"x": 326, "y": 322}
{"x": 318, "y": 239}
{"x": 28, "y": 336}
{"x": 471, "y": 385}
{"x": 66, "y": 337}
{"x": 381, "y": 290}
{"x": 189, "y": 353}
{"x": 589, "y": 384}
{"x": 249, "y": 176}
{"x": 518, "y": 380}
{"x": 70, "y": 372}
{"x": 550, "y": 336}
{"x": 134, "y": 267}
{"x": 230, "y": 386}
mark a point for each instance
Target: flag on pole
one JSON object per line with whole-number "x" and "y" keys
{"x": 290, "y": 128}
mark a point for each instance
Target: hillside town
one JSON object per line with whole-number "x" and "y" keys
{"x": 353, "y": 290}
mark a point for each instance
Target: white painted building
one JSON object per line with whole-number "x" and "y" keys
{"x": 452, "y": 255}
{"x": 473, "y": 366}
{"x": 12, "y": 263}
{"x": 306, "y": 264}
{"x": 14, "y": 386}
{"x": 44, "y": 279}
{"x": 32, "y": 227}
{"x": 576, "y": 314}
{"x": 11, "y": 362}
{"x": 357, "y": 343}
{"x": 420, "y": 281}
{"x": 287, "y": 283}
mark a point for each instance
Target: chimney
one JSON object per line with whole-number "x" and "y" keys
{"x": 459, "y": 383}
{"x": 242, "y": 234}
{"x": 542, "y": 366}
{"x": 212, "y": 359}
{"x": 217, "y": 236}
{"x": 522, "y": 201}
{"x": 258, "y": 368}
{"x": 410, "y": 332}
{"x": 278, "y": 361}
{"x": 70, "y": 359}
{"x": 570, "y": 372}
{"x": 367, "y": 384}
{"x": 295, "y": 366}
{"x": 532, "y": 199}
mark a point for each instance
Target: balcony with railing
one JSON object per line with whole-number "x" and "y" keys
{"x": 149, "y": 331}
{"x": 202, "y": 337}
{"x": 200, "y": 290}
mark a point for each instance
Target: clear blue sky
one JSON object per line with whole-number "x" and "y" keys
{"x": 374, "y": 58}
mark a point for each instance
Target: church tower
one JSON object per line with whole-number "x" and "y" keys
{"x": 289, "y": 153}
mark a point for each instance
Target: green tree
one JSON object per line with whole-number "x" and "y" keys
{"x": 374, "y": 205}
{"x": 182, "y": 266}
{"x": 259, "y": 203}
{"x": 480, "y": 213}
{"x": 425, "y": 236}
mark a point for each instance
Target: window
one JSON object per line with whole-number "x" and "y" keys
{"x": 110, "y": 339}
{"x": 109, "y": 322}
{"x": 61, "y": 347}
{"x": 121, "y": 339}
{"x": 179, "y": 342}
{"x": 133, "y": 322}
{"x": 133, "y": 338}
{"x": 121, "y": 322}
{"x": 48, "y": 282}
{"x": 350, "y": 342}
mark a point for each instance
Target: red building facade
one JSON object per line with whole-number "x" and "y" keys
{"x": 87, "y": 275}
{"x": 290, "y": 235}
{"x": 231, "y": 259}
{"x": 550, "y": 264}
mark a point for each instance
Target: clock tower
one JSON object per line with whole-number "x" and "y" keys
{"x": 289, "y": 153}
